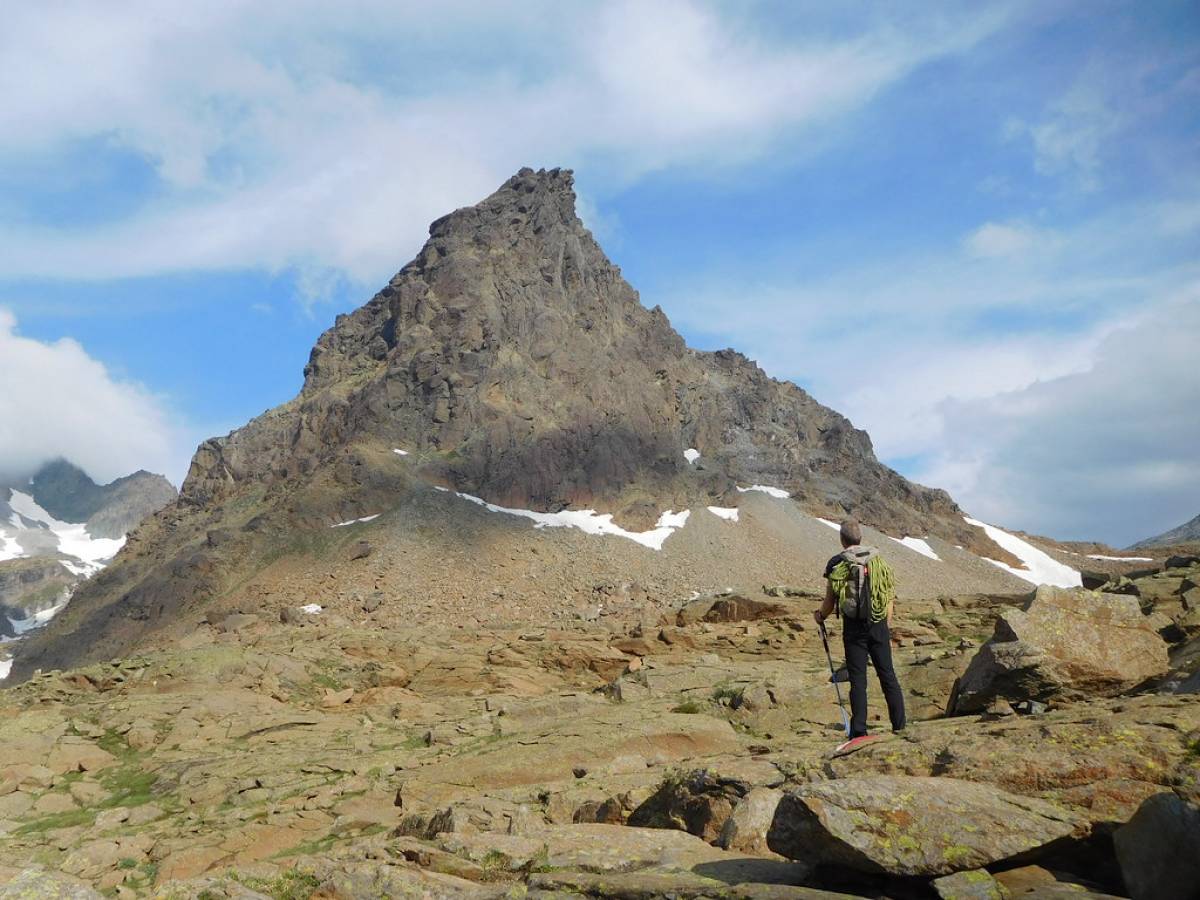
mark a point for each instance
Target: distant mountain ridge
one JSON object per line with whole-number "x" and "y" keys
{"x": 57, "y": 527}
{"x": 110, "y": 510}
{"x": 1187, "y": 533}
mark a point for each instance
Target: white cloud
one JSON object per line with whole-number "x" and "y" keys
{"x": 59, "y": 401}
{"x": 1109, "y": 452}
{"x": 947, "y": 360}
{"x": 324, "y": 137}
{"x": 993, "y": 239}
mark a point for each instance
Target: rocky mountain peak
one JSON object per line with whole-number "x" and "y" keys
{"x": 512, "y": 350}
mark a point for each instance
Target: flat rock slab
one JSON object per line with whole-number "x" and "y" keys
{"x": 601, "y": 848}
{"x": 679, "y": 885}
{"x": 915, "y": 826}
{"x": 39, "y": 884}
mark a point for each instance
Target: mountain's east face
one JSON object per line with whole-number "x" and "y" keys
{"x": 514, "y": 363}
{"x": 1187, "y": 533}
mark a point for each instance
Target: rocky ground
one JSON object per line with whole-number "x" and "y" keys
{"x": 675, "y": 749}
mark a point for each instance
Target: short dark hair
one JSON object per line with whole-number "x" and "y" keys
{"x": 851, "y": 532}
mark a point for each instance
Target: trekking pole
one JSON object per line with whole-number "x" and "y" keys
{"x": 833, "y": 677}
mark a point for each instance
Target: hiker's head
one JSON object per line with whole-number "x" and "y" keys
{"x": 851, "y": 533}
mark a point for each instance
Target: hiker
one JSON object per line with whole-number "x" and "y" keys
{"x": 860, "y": 586}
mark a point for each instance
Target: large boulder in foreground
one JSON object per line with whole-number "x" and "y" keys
{"x": 1159, "y": 849}
{"x": 899, "y": 825}
{"x": 1065, "y": 644}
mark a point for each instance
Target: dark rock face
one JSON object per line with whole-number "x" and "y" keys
{"x": 1159, "y": 849}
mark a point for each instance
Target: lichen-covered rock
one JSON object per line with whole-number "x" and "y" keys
{"x": 976, "y": 884}
{"x": 39, "y": 884}
{"x": 1063, "y": 644}
{"x": 912, "y": 826}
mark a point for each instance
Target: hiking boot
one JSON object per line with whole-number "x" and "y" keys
{"x": 854, "y": 743}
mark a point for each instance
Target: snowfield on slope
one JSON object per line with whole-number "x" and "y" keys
{"x": 778, "y": 493}
{"x": 919, "y": 545}
{"x": 1040, "y": 567}
{"x": 73, "y": 537}
{"x": 591, "y": 522}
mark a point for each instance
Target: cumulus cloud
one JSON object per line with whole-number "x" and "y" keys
{"x": 1044, "y": 383}
{"x": 325, "y": 137}
{"x": 1109, "y": 452}
{"x": 59, "y": 401}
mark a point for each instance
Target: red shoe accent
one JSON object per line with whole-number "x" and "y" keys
{"x": 853, "y": 743}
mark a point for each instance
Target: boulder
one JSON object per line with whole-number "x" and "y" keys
{"x": 698, "y": 803}
{"x": 236, "y": 622}
{"x": 912, "y": 826}
{"x": 1159, "y": 849}
{"x": 1066, "y": 644}
{"x": 732, "y": 608}
{"x": 746, "y": 828}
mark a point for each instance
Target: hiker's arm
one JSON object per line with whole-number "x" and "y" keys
{"x": 826, "y": 605}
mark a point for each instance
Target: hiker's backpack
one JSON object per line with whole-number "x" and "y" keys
{"x": 864, "y": 588}
{"x": 855, "y": 602}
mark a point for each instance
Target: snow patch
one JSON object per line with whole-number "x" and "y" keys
{"x": 834, "y": 525}
{"x": 1121, "y": 558}
{"x": 41, "y": 617}
{"x": 1040, "y": 567}
{"x": 779, "y": 493}
{"x": 357, "y": 521}
{"x": 311, "y": 608}
{"x": 5, "y": 668}
{"x": 724, "y": 512}
{"x": 9, "y": 548}
{"x": 591, "y": 522}
{"x": 691, "y": 454}
{"x": 75, "y": 569}
{"x": 73, "y": 537}
{"x": 918, "y": 545}
{"x": 400, "y": 452}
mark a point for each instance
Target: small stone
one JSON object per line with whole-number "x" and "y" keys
{"x": 337, "y": 698}
{"x": 975, "y": 884}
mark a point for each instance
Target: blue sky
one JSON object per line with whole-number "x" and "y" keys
{"x": 1002, "y": 207}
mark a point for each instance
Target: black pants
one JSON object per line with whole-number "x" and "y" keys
{"x": 861, "y": 639}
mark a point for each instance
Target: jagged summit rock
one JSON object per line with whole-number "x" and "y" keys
{"x": 510, "y": 361}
